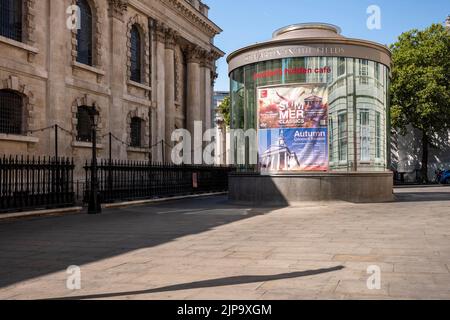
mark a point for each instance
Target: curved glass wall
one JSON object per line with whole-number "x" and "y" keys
{"x": 357, "y": 98}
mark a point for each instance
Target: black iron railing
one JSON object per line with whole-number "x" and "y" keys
{"x": 34, "y": 183}
{"x": 129, "y": 180}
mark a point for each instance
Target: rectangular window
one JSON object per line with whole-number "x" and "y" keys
{"x": 378, "y": 74}
{"x": 364, "y": 135}
{"x": 342, "y": 136}
{"x": 84, "y": 127}
{"x": 363, "y": 71}
{"x": 136, "y": 132}
{"x": 330, "y": 139}
{"x": 11, "y": 112}
{"x": 11, "y": 19}
{"x": 341, "y": 67}
{"x": 377, "y": 135}
{"x": 312, "y": 63}
{"x": 330, "y": 74}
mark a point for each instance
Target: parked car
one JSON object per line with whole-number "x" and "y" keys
{"x": 445, "y": 177}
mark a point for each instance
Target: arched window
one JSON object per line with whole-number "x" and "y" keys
{"x": 136, "y": 127}
{"x": 11, "y": 112}
{"x": 135, "y": 54}
{"x": 84, "y": 34}
{"x": 84, "y": 127}
{"x": 11, "y": 19}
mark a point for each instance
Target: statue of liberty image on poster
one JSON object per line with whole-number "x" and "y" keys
{"x": 292, "y": 128}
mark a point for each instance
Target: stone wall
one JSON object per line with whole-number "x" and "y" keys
{"x": 43, "y": 68}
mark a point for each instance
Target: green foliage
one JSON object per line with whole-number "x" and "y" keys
{"x": 420, "y": 89}
{"x": 224, "y": 110}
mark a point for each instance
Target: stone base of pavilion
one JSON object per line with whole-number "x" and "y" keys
{"x": 289, "y": 189}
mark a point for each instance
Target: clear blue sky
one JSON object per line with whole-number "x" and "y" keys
{"x": 246, "y": 22}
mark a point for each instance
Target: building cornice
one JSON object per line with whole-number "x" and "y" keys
{"x": 217, "y": 52}
{"x": 184, "y": 9}
{"x": 193, "y": 16}
{"x": 286, "y": 48}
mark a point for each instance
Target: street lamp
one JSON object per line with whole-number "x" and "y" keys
{"x": 94, "y": 205}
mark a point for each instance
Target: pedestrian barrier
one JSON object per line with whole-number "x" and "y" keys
{"x": 35, "y": 183}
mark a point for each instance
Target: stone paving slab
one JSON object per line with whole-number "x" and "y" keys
{"x": 210, "y": 249}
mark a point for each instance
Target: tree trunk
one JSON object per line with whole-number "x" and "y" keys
{"x": 424, "y": 168}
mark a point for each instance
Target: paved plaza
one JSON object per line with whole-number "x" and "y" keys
{"x": 207, "y": 248}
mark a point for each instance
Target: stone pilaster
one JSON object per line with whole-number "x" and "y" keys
{"x": 160, "y": 36}
{"x": 56, "y": 108}
{"x": 193, "y": 105}
{"x": 117, "y": 9}
{"x": 221, "y": 138}
{"x": 30, "y": 23}
{"x": 208, "y": 68}
{"x": 171, "y": 38}
{"x": 221, "y": 142}
{"x": 203, "y": 103}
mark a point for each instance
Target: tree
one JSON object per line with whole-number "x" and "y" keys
{"x": 420, "y": 89}
{"x": 224, "y": 110}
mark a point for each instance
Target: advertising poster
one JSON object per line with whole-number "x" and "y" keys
{"x": 292, "y": 128}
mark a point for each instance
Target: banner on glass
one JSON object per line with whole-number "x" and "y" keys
{"x": 292, "y": 128}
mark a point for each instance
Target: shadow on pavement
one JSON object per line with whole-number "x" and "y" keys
{"x": 221, "y": 282}
{"x": 35, "y": 247}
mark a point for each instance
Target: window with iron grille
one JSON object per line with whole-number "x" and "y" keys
{"x": 84, "y": 128}
{"x": 136, "y": 132}
{"x": 11, "y": 112}
{"x": 11, "y": 19}
{"x": 135, "y": 54}
{"x": 84, "y": 34}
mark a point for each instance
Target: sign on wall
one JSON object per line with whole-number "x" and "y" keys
{"x": 292, "y": 128}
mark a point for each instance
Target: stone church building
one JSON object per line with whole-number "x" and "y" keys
{"x": 148, "y": 67}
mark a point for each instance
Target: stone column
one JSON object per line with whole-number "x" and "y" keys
{"x": 158, "y": 151}
{"x": 213, "y": 75}
{"x": 210, "y": 77}
{"x": 170, "y": 111}
{"x": 193, "y": 105}
{"x": 205, "y": 91}
{"x": 118, "y": 74}
{"x": 208, "y": 100}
